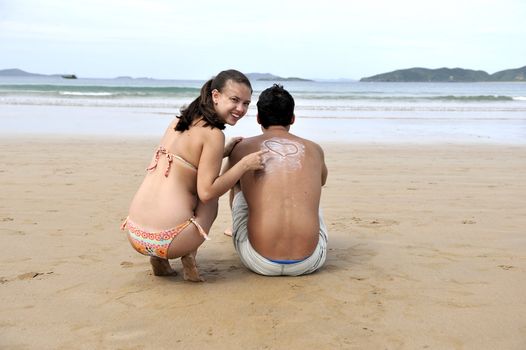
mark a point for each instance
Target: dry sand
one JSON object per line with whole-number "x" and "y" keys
{"x": 427, "y": 250}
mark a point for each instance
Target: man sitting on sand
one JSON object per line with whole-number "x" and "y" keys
{"x": 277, "y": 223}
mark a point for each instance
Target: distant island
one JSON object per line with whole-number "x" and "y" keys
{"x": 271, "y": 77}
{"x": 447, "y": 75}
{"x": 15, "y": 72}
{"x": 20, "y": 73}
{"x": 403, "y": 75}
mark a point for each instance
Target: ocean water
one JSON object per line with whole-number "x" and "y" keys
{"x": 325, "y": 111}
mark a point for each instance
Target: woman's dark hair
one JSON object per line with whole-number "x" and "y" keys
{"x": 275, "y": 107}
{"x": 203, "y": 105}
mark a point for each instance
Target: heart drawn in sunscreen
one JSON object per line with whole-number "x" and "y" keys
{"x": 284, "y": 149}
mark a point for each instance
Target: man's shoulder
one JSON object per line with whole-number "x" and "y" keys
{"x": 308, "y": 143}
{"x": 244, "y": 147}
{"x": 251, "y": 140}
{"x": 248, "y": 143}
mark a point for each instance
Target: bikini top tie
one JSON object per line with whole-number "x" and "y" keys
{"x": 170, "y": 158}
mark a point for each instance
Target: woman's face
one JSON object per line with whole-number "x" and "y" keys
{"x": 231, "y": 104}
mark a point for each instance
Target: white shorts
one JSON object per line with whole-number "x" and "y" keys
{"x": 261, "y": 265}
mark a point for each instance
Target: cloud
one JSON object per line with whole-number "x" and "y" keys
{"x": 148, "y": 37}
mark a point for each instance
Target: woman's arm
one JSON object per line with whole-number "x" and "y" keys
{"x": 209, "y": 184}
{"x": 230, "y": 145}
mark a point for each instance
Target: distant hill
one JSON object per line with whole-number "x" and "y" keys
{"x": 447, "y": 75}
{"x": 15, "y": 72}
{"x": 271, "y": 77}
{"x": 518, "y": 74}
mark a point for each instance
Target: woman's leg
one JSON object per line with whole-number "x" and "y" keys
{"x": 205, "y": 214}
{"x": 161, "y": 267}
{"x": 185, "y": 244}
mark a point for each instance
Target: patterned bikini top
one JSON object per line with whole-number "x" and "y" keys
{"x": 170, "y": 157}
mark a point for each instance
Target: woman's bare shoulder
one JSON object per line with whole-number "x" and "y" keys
{"x": 207, "y": 136}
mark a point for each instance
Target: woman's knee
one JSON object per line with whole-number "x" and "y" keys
{"x": 185, "y": 242}
{"x": 205, "y": 214}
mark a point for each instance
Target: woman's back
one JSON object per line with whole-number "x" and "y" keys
{"x": 168, "y": 193}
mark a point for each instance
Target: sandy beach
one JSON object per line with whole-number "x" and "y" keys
{"x": 427, "y": 251}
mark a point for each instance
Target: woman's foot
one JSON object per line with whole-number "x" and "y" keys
{"x": 190, "y": 272}
{"x": 161, "y": 267}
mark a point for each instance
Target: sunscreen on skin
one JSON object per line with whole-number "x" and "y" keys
{"x": 284, "y": 154}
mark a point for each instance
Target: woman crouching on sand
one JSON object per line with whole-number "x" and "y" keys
{"x": 176, "y": 203}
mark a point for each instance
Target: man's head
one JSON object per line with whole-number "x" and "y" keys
{"x": 275, "y": 107}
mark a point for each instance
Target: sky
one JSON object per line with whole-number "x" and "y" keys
{"x": 328, "y": 39}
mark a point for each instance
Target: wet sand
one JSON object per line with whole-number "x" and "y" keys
{"x": 427, "y": 250}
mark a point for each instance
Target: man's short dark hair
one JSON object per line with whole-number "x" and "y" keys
{"x": 275, "y": 107}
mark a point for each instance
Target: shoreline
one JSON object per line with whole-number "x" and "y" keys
{"x": 425, "y": 250}
{"x": 351, "y": 127}
{"x": 87, "y": 138}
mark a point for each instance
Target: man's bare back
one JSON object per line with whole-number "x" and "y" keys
{"x": 284, "y": 197}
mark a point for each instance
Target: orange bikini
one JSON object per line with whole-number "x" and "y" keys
{"x": 156, "y": 243}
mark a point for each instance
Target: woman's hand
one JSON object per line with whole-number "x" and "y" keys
{"x": 254, "y": 161}
{"x": 230, "y": 145}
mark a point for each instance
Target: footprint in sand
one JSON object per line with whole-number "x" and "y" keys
{"x": 358, "y": 278}
{"x": 379, "y": 223}
{"x": 330, "y": 267}
{"x": 373, "y": 222}
{"x": 31, "y": 275}
{"x": 92, "y": 258}
{"x": 28, "y": 275}
{"x": 213, "y": 272}
{"x": 126, "y": 264}
{"x": 506, "y": 267}
{"x": 7, "y": 219}
{"x": 468, "y": 222}
{"x": 63, "y": 171}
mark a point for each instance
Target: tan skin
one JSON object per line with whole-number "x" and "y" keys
{"x": 283, "y": 203}
{"x": 164, "y": 202}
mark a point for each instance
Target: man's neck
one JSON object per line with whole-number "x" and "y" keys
{"x": 275, "y": 129}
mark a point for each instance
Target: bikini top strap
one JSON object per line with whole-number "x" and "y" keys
{"x": 199, "y": 228}
{"x": 184, "y": 161}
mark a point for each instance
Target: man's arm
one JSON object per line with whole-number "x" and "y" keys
{"x": 324, "y": 174}
{"x": 324, "y": 170}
